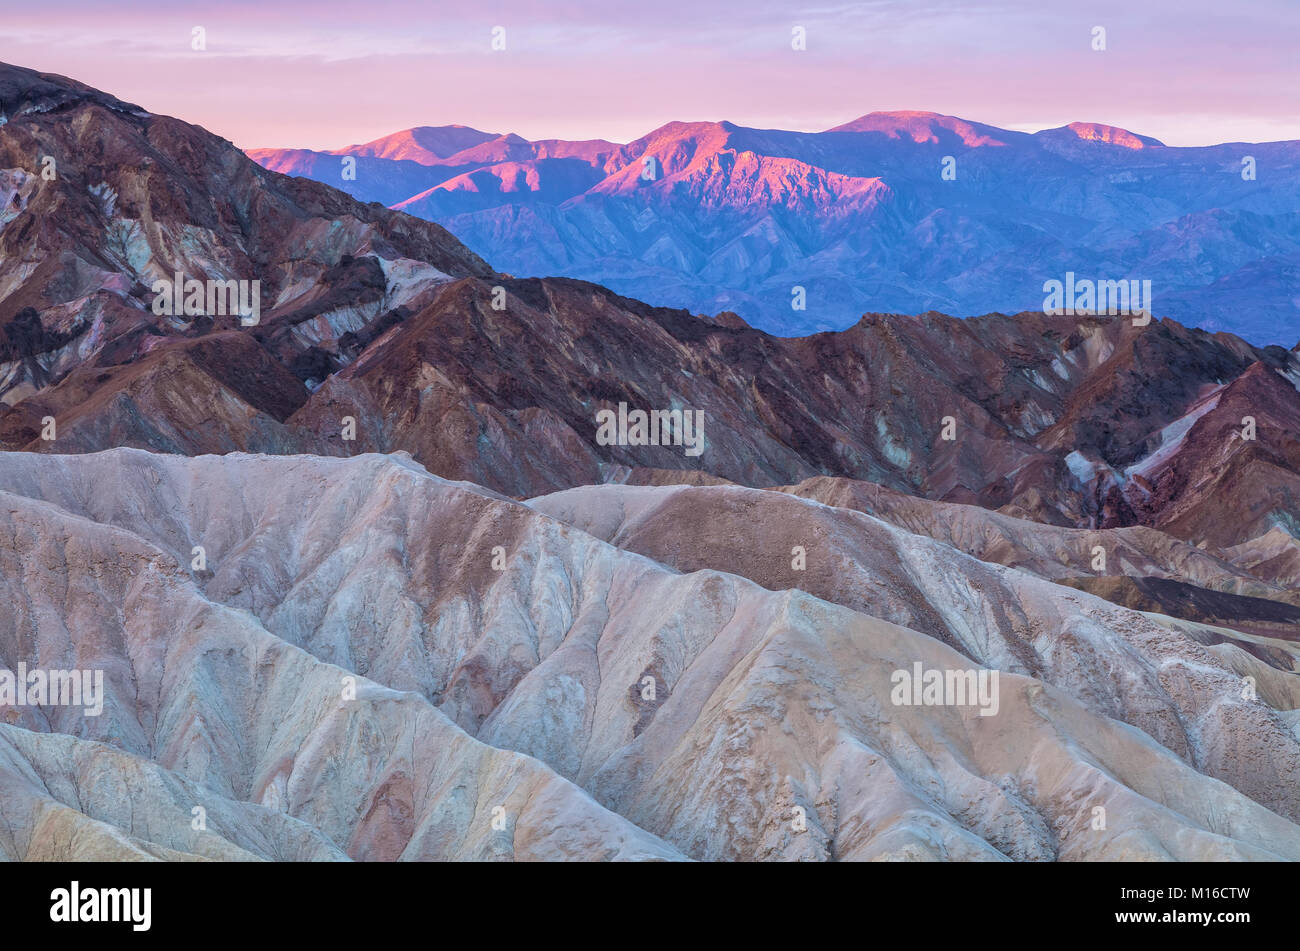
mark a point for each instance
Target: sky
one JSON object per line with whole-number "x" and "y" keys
{"x": 328, "y": 74}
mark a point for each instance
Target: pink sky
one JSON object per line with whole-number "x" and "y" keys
{"x": 322, "y": 75}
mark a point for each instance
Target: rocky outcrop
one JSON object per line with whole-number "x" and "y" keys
{"x": 104, "y": 199}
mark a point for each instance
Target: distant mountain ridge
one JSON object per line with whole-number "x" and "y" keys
{"x": 714, "y": 216}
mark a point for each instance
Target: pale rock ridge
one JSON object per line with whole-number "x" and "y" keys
{"x": 765, "y": 701}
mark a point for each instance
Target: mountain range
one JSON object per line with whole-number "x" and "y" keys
{"x": 893, "y": 212}
{"x": 364, "y": 582}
